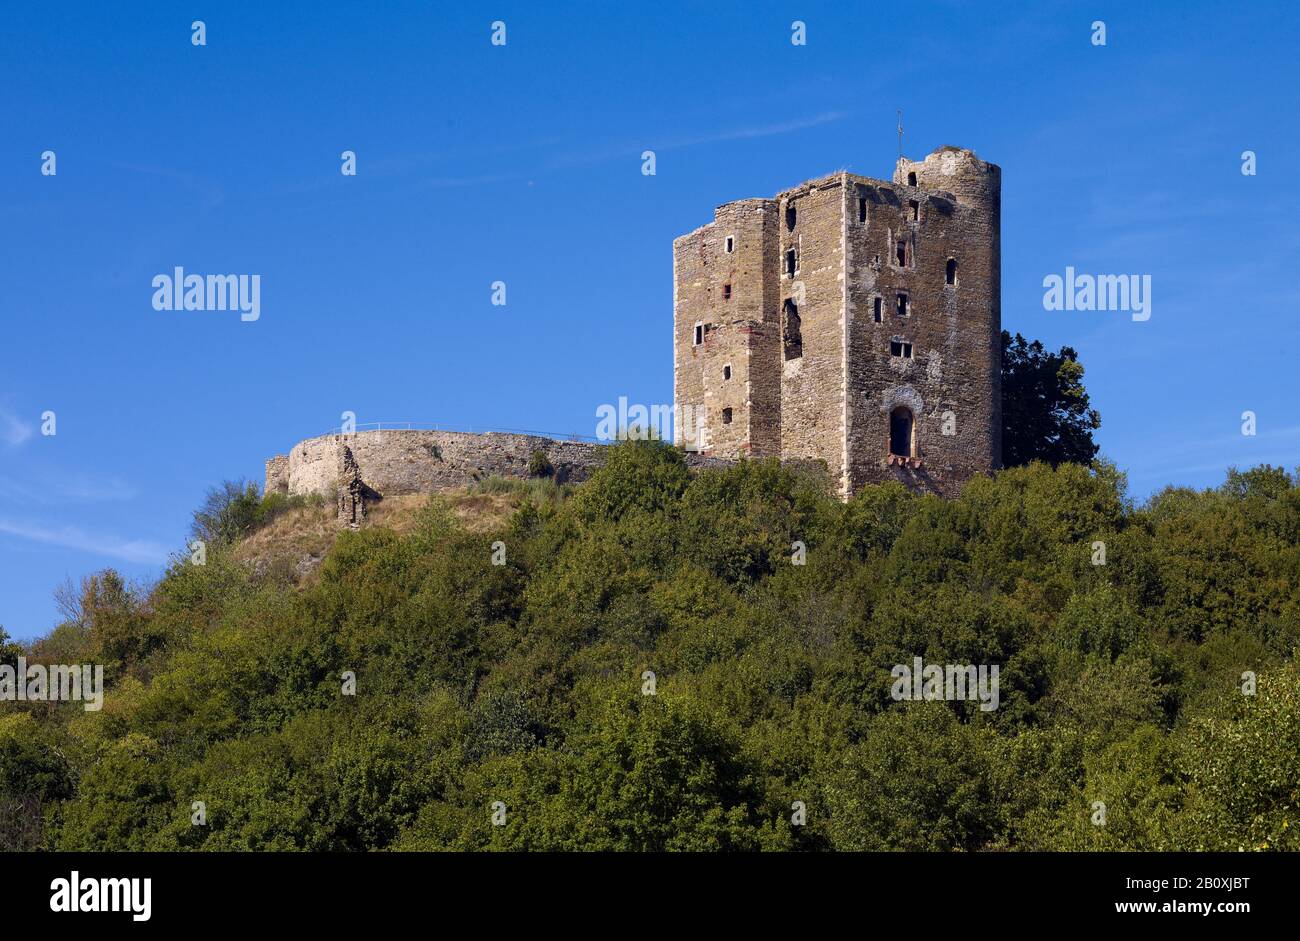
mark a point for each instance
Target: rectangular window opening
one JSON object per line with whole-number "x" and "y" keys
{"x": 791, "y": 261}
{"x": 726, "y": 416}
{"x": 902, "y": 305}
{"x": 877, "y": 312}
{"x": 791, "y": 332}
{"x": 730, "y": 244}
{"x": 862, "y": 209}
{"x": 726, "y": 292}
{"x": 699, "y": 334}
{"x": 915, "y": 206}
{"x": 902, "y": 253}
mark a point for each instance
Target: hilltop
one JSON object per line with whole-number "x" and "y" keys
{"x": 648, "y": 667}
{"x": 297, "y": 540}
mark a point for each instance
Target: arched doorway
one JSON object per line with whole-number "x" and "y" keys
{"x": 901, "y": 441}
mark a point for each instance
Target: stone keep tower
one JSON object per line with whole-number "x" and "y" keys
{"x": 849, "y": 320}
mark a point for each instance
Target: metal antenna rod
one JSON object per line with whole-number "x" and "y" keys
{"x": 900, "y": 133}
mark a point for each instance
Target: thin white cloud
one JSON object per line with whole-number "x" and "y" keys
{"x": 762, "y": 130}
{"x": 404, "y": 164}
{"x": 83, "y": 487}
{"x": 1268, "y": 447}
{"x": 17, "y": 492}
{"x": 454, "y": 182}
{"x": 53, "y": 487}
{"x": 1228, "y": 447}
{"x": 210, "y": 194}
{"x": 14, "y": 430}
{"x": 70, "y": 537}
{"x": 739, "y": 133}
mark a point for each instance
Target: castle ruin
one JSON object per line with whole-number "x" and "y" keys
{"x": 849, "y": 320}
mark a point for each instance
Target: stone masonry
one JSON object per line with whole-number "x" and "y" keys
{"x": 849, "y": 320}
{"x": 358, "y": 469}
{"x": 351, "y": 490}
{"x": 404, "y": 462}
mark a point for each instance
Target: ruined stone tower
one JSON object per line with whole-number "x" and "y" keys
{"x": 849, "y": 320}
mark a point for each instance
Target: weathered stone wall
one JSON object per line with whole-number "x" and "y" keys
{"x": 793, "y": 353}
{"x": 812, "y": 383}
{"x": 954, "y": 375}
{"x": 839, "y": 384}
{"x": 396, "y": 462}
{"x": 375, "y": 464}
{"x": 277, "y": 474}
{"x": 720, "y": 274}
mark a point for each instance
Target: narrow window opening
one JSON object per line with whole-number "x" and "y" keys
{"x": 791, "y": 261}
{"x": 951, "y": 274}
{"x": 791, "y": 335}
{"x": 877, "y": 312}
{"x": 730, "y": 244}
{"x": 862, "y": 210}
{"x": 790, "y": 217}
{"x": 915, "y": 206}
{"x": 699, "y": 334}
{"x": 726, "y": 416}
{"x": 911, "y": 179}
{"x": 726, "y": 292}
{"x": 900, "y": 348}
{"x": 901, "y": 441}
{"x": 902, "y": 253}
{"x": 726, "y": 372}
{"x": 902, "y": 305}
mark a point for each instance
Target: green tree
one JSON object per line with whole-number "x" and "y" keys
{"x": 920, "y": 781}
{"x": 1243, "y": 762}
{"x": 520, "y": 683}
{"x": 229, "y": 511}
{"x": 34, "y": 773}
{"x": 1045, "y": 410}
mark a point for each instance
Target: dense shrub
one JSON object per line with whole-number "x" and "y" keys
{"x": 236, "y": 508}
{"x": 524, "y": 688}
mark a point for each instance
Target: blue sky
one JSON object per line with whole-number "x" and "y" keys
{"x": 522, "y": 164}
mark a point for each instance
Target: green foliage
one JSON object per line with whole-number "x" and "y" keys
{"x": 1045, "y": 410}
{"x": 34, "y": 773}
{"x": 121, "y": 627}
{"x": 1242, "y": 764}
{"x": 520, "y": 686}
{"x": 541, "y": 489}
{"x": 227, "y": 513}
{"x": 235, "y": 509}
{"x": 645, "y": 476}
{"x": 921, "y": 780}
{"x": 539, "y": 465}
{"x": 645, "y": 773}
{"x": 9, "y": 651}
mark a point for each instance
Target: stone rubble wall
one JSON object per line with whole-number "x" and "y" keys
{"x": 405, "y": 462}
{"x": 277, "y": 474}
